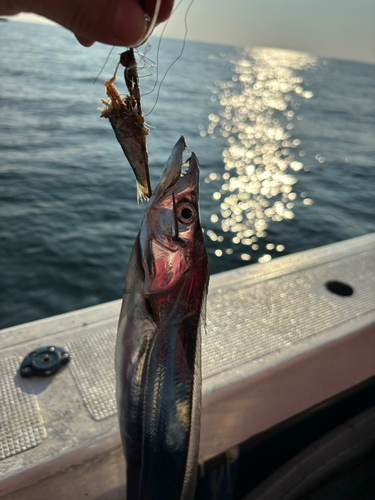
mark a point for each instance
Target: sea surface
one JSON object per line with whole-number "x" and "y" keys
{"x": 285, "y": 142}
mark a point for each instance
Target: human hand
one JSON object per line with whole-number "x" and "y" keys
{"x": 114, "y": 22}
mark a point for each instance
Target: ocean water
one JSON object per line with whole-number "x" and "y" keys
{"x": 285, "y": 142}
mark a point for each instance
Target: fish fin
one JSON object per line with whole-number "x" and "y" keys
{"x": 202, "y": 318}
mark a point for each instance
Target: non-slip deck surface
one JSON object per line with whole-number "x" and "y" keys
{"x": 252, "y": 314}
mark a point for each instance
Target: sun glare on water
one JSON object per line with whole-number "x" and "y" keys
{"x": 259, "y": 108}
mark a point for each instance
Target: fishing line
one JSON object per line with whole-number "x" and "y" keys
{"x": 147, "y": 62}
{"x": 144, "y": 39}
{"x": 152, "y": 24}
{"x": 104, "y": 65}
{"x": 174, "y": 62}
{"x": 158, "y": 50}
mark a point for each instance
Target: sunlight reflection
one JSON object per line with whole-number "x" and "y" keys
{"x": 259, "y": 106}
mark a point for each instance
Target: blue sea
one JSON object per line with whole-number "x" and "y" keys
{"x": 285, "y": 142}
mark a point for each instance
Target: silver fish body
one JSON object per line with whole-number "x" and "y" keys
{"x": 158, "y": 357}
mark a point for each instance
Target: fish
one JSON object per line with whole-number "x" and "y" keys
{"x": 158, "y": 347}
{"x": 128, "y": 123}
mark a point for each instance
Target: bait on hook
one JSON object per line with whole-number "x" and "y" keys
{"x": 126, "y": 117}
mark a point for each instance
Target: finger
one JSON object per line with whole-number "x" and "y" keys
{"x": 8, "y": 9}
{"x": 84, "y": 41}
{"x": 114, "y": 22}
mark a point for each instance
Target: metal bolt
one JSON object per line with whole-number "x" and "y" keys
{"x": 64, "y": 355}
{"x": 26, "y": 369}
{"x": 32, "y": 355}
{"x": 51, "y": 349}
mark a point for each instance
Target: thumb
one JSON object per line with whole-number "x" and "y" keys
{"x": 114, "y": 22}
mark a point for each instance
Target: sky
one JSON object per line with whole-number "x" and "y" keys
{"x": 343, "y": 29}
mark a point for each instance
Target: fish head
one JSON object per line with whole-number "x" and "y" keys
{"x": 171, "y": 235}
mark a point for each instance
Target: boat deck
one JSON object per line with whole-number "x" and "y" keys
{"x": 277, "y": 342}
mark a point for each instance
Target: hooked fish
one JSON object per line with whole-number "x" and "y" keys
{"x": 126, "y": 117}
{"x": 158, "y": 350}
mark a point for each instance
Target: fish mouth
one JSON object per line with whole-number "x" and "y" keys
{"x": 172, "y": 169}
{"x": 163, "y": 235}
{"x": 172, "y": 172}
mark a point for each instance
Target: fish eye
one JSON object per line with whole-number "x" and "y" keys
{"x": 186, "y": 213}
